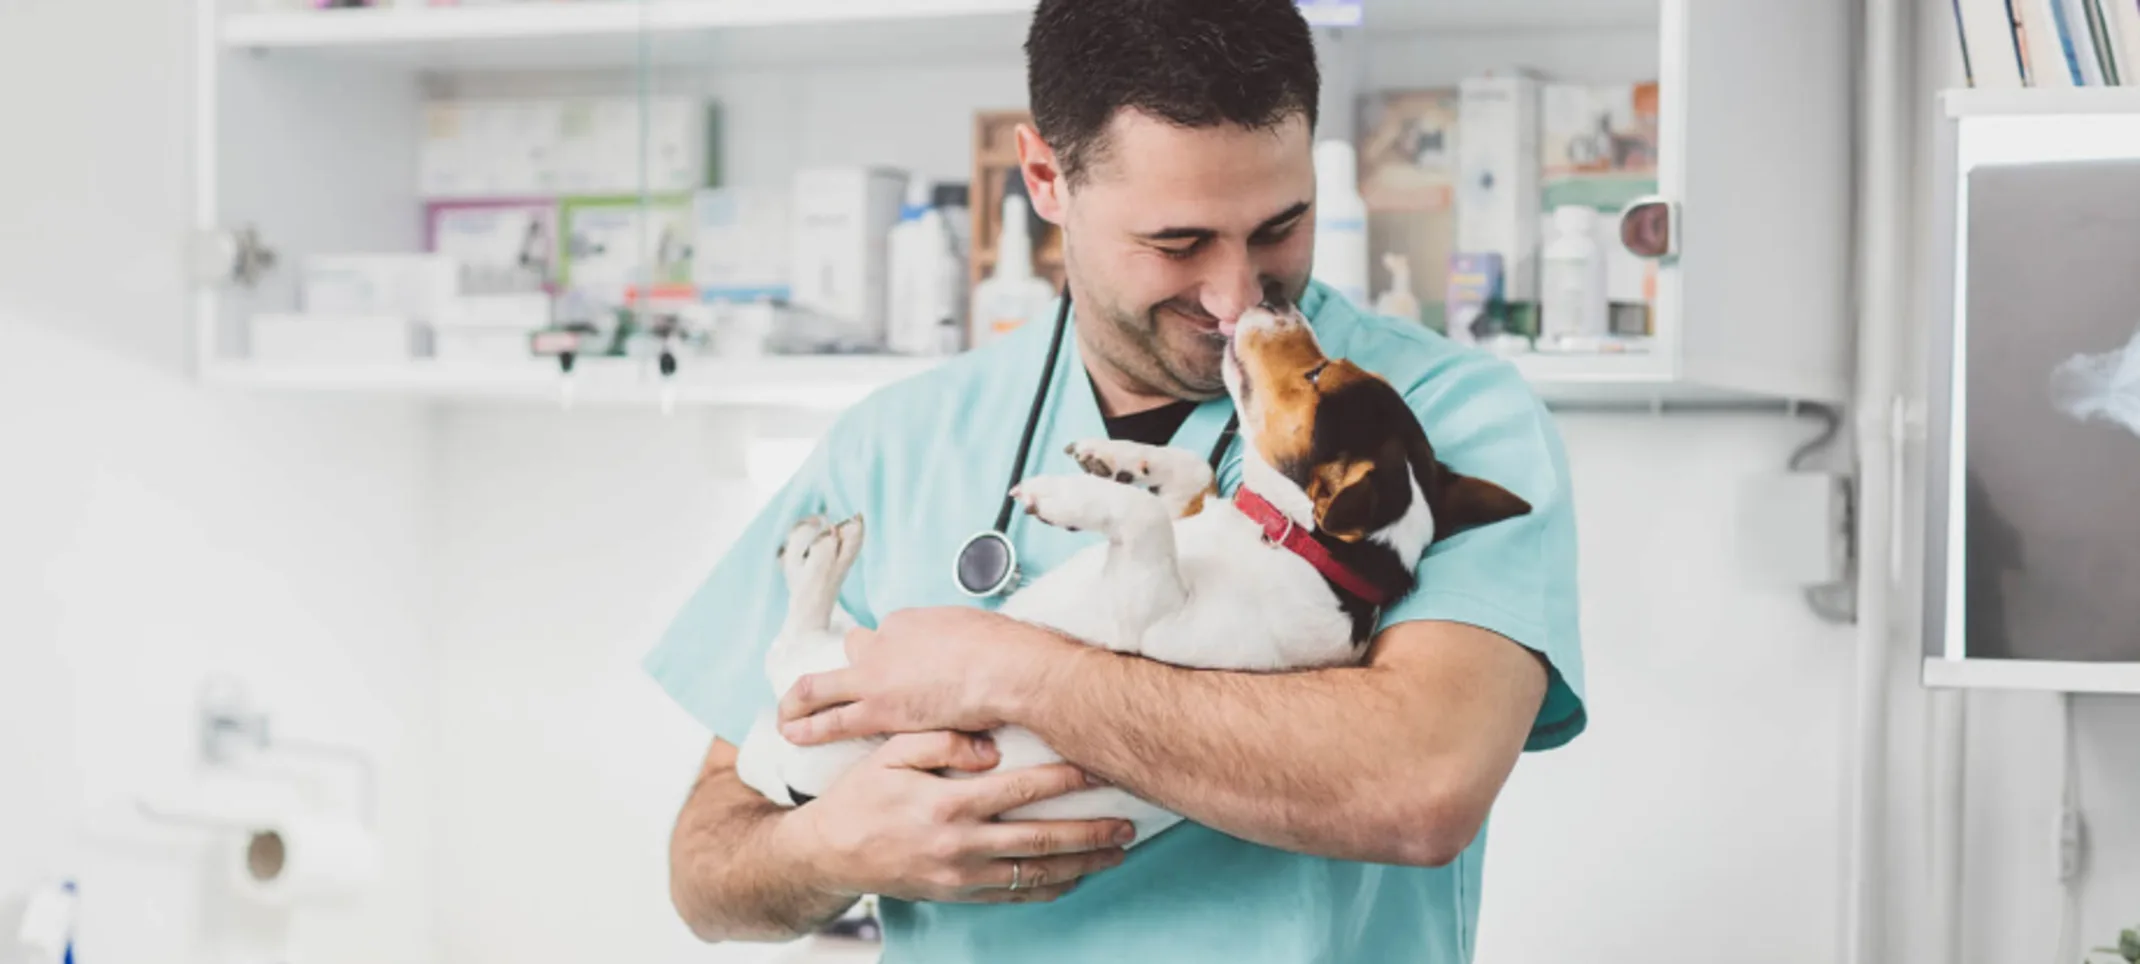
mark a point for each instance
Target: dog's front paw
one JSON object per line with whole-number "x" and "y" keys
{"x": 1126, "y": 462}
{"x": 1072, "y": 502}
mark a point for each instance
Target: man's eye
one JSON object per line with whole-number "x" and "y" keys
{"x": 1179, "y": 254}
{"x": 1275, "y": 235}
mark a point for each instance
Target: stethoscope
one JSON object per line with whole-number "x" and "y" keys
{"x": 987, "y": 565}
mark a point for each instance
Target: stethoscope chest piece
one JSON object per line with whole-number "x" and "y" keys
{"x": 987, "y": 565}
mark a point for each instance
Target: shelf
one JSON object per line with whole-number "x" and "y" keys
{"x": 1977, "y": 101}
{"x": 1632, "y": 380}
{"x": 809, "y": 382}
{"x": 2032, "y": 675}
{"x": 828, "y": 382}
{"x": 618, "y": 33}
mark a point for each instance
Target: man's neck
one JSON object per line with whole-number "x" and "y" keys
{"x": 1117, "y": 393}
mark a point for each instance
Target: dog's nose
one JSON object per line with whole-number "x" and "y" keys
{"x": 1274, "y": 298}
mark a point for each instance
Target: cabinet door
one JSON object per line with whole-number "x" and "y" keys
{"x": 531, "y": 144}
{"x": 97, "y": 160}
{"x": 1756, "y": 126}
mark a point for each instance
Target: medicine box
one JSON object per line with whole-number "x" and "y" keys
{"x": 1497, "y": 198}
{"x": 500, "y": 247}
{"x": 333, "y": 339}
{"x": 740, "y": 244}
{"x": 843, "y": 217}
{"x": 552, "y": 147}
{"x": 412, "y": 286}
{"x": 616, "y": 247}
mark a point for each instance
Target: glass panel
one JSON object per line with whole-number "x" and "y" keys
{"x": 1462, "y": 164}
{"x": 2045, "y": 439}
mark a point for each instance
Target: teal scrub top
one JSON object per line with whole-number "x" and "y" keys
{"x": 926, "y": 460}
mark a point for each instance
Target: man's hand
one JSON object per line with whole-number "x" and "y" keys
{"x": 946, "y": 668}
{"x": 889, "y": 826}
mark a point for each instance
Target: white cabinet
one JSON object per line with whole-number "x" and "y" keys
{"x": 314, "y": 122}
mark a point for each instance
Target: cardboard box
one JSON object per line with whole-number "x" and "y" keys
{"x": 740, "y": 244}
{"x": 412, "y": 286}
{"x": 616, "y": 249}
{"x": 332, "y": 339}
{"x": 1408, "y": 175}
{"x": 843, "y": 219}
{"x": 1497, "y": 200}
{"x": 567, "y": 146}
{"x": 501, "y": 247}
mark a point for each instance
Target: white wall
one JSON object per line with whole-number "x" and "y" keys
{"x": 2011, "y": 898}
{"x": 156, "y": 537}
{"x": 1698, "y": 819}
{"x": 152, "y": 534}
{"x": 1703, "y": 801}
{"x": 566, "y": 543}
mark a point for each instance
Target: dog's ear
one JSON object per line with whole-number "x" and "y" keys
{"x": 1344, "y": 497}
{"x": 1461, "y": 502}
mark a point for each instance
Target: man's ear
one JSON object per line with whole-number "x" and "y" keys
{"x": 1344, "y": 498}
{"x": 1462, "y": 502}
{"x": 1045, "y": 185}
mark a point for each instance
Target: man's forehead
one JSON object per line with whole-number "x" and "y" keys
{"x": 1164, "y": 169}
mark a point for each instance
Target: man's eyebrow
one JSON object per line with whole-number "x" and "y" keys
{"x": 1199, "y": 234}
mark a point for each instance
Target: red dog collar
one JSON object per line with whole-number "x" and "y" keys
{"x": 1279, "y": 529}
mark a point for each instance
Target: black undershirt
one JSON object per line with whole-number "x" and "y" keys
{"x": 1152, "y": 427}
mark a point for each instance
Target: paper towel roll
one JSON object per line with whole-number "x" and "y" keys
{"x": 306, "y": 860}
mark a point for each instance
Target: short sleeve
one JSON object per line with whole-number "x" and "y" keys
{"x": 711, "y": 659}
{"x": 1516, "y": 577}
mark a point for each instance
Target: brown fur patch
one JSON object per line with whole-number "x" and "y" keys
{"x": 1196, "y": 504}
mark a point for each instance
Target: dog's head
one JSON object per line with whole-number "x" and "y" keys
{"x": 1333, "y": 443}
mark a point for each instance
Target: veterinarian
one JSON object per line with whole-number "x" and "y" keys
{"x": 1332, "y": 815}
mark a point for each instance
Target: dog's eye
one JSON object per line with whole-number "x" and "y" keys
{"x": 1315, "y": 374}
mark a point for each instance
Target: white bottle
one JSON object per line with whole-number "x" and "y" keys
{"x": 1340, "y": 222}
{"x": 1571, "y": 296}
{"x": 1398, "y": 301}
{"x": 912, "y": 277}
{"x": 1011, "y": 295}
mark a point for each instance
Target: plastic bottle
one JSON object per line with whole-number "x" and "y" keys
{"x": 1572, "y": 279}
{"x": 1398, "y": 301}
{"x": 916, "y": 252}
{"x": 1340, "y": 222}
{"x": 46, "y": 930}
{"x": 1011, "y": 295}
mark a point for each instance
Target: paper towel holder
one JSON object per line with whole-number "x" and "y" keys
{"x": 230, "y": 729}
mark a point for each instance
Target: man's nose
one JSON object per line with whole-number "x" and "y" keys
{"x": 1233, "y": 288}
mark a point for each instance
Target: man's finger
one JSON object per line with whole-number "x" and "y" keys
{"x": 986, "y": 797}
{"x": 1036, "y": 895}
{"x": 817, "y": 692}
{"x": 934, "y": 751}
{"x": 1047, "y": 838}
{"x": 856, "y": 639}
{"x": 1036, "y": 874}
{"x": 847, "y": 721}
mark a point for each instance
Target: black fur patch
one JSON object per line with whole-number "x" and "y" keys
{"x": 800, "y": 797}
{"x": 1359, "y": 422}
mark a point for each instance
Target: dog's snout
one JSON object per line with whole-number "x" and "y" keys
{"x": 1274, "y": 299}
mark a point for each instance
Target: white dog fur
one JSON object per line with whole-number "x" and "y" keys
{"x": 1206, "y": 591}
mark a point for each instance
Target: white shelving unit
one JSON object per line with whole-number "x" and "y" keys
{"x": 2046, "y": 675}
{"x": 1753, "y": 153}
{"x": 1995, "y": 128}
{"x": 811, "y": 382}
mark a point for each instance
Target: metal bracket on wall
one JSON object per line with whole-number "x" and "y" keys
{"x": 1835, "y": 602}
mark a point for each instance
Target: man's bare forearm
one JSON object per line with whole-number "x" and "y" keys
{"x": 1381, "y": 763}
{"x": 735, "y": 875}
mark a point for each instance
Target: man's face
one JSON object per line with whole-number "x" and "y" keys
{"x": 1173, "y": 233}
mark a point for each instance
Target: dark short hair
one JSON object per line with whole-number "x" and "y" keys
{"x": 1194, "y": 63}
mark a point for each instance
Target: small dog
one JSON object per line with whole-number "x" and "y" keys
{"x": 1340, "y": 496}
